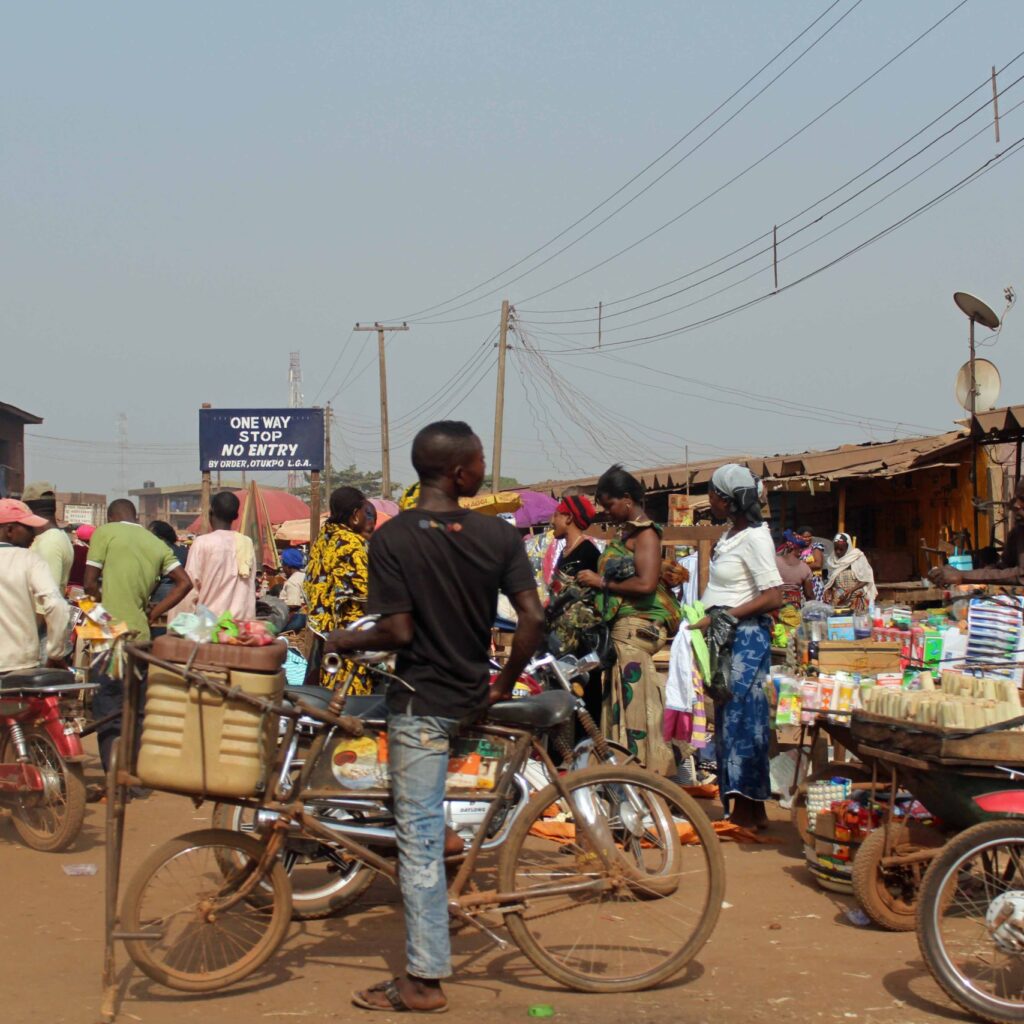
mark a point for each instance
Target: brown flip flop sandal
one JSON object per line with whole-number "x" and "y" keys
{"x": 391, "y": 993}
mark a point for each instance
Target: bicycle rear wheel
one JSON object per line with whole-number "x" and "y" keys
{"x": 201, "y": 936}
{"x": 629, "y": 925}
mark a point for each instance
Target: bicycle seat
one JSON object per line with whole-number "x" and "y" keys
{"x": 37, "y": 679}
{"x": 545, "y": 711}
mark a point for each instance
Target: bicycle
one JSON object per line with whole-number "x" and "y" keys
{"x": 617, "y": 904}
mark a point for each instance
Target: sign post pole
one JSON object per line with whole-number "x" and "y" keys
{"x": 204, "y": 494}
{"x": 314, "y": 505}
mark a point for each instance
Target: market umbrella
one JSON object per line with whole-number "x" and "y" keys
{"x": 385, "y": 506}
{"x": 536, "y": 508}
{"x": 280, "y": 507}
{"x": 295, "y": 531}
{"x": 492, "y": 504}
{"x": 254, "y": 521}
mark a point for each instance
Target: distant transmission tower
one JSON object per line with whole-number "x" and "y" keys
{"x": 122, "y": 443}
{"x": 294, "y": 402}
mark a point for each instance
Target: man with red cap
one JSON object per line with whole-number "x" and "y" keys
{"x": 26, "y": 589}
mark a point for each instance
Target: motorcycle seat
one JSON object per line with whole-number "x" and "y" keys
{"x": 362, "y": 706}
{"x": 316, "y": 696}
{"x": 544, "y": 711}
{"x": 37, "y": 679}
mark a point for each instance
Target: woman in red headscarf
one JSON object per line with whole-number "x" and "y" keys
{"x": 572, "y": 516}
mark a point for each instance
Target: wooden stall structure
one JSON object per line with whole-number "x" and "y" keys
{"x": 888, "y": 496}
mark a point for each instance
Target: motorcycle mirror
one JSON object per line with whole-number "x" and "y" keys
{"x": 567, "y": 665}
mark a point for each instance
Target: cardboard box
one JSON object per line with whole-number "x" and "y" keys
{"x": 824, "y": 833}
{"x": 865, "y": 657}
{"x": 840, "y": 627}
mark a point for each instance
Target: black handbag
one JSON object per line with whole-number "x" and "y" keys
{"x": 720, "y": 636}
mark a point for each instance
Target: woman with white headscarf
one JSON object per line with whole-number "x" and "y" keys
{"x": 849, "y": 578}
{"x": 744, "y": 581}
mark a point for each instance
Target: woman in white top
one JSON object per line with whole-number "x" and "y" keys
{"x": 745, "y": 581}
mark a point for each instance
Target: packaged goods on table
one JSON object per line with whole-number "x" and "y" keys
{"x": 962, "y": 701}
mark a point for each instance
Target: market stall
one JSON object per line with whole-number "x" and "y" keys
{"x": 927, "y": 702}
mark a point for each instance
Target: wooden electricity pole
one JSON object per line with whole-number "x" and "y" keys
{"x": 385, "y": 444}
{"x": 499, "y": 399}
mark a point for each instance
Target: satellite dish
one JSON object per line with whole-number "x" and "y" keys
{"x": 974, "y": 309}
{"x": 986, "y": 383}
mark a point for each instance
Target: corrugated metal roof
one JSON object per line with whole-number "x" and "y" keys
{"x": 878, "y": 459}
{"x": 19, "y": 414}
{"x": 998, "y": 424}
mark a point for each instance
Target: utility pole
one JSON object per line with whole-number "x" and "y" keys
{"x": 385, "y": 445}
{"x": 499, "y": 398}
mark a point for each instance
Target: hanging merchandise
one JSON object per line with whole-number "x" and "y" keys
{"x": 995, "y": 635}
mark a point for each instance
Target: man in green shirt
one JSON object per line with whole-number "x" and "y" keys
{"x": 124, "y": 565}
{"x": 52, "y": 544}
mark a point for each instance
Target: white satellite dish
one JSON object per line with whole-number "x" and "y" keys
{"x": 986, "y": 385}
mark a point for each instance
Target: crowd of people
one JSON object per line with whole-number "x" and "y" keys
{"x": 432, "y": 575}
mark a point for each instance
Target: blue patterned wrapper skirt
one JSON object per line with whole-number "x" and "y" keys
{"x": 742, "y": 724}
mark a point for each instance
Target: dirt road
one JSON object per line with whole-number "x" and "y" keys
{"x": 783, "y": 951}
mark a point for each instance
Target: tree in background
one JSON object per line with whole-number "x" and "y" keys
{"x": 505, "y": 483}
{"x": 367, "y": 481}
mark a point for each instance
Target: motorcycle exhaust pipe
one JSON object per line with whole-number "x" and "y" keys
{"x": 331, "y": 663}
{"x": 386, "y": 836}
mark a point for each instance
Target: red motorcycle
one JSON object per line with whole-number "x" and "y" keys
{"x": 41, "y": 755}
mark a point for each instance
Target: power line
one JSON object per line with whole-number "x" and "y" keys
{"x": 764, "y": 235}
{"x": 974, "y": 175}
{"x": 604, "y": 202}
{"x": 334, "y": 366}
{"x": 768, "y": 266}
{"x": 671, "y": 168}
{"x": 746, "y": 170}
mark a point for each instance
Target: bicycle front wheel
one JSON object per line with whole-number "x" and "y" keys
{"x": 970, "y": 920}
{"x": 200, "y": 935}
{"x": 627, "y": 908}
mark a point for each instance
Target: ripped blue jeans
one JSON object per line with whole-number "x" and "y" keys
{"x": 418, "y": 750}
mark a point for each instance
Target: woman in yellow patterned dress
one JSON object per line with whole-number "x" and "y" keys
{"x": 337, "y": 574}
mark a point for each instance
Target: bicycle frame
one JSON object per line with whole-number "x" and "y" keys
{"x": 289, "y": 799}
{"x": 461, "y": 904}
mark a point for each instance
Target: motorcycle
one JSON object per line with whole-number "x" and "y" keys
{"x": 41, "y": 776}
{"x": 323, "y": 881}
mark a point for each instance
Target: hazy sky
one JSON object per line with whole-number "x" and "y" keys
{"x": 192, "y": 191}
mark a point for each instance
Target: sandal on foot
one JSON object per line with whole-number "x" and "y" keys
{"x": 393, "y": 995}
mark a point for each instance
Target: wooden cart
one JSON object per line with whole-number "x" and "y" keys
{"x": 951, "y": 774}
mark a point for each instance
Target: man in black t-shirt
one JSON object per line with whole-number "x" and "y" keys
{"x": 435, "y": 574}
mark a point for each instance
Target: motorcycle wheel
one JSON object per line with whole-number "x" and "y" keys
{"x": 320, "y": 885}
{"x": 48, "y": 821}
{"x": 971, "y": 887}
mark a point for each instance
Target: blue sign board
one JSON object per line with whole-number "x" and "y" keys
{"x": 261, "y": 439}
